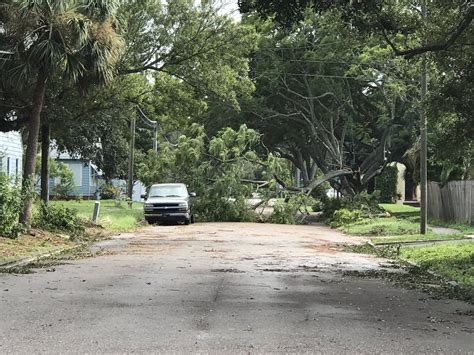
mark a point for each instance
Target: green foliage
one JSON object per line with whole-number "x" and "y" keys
{"x": 309, "y": 104}
{"x": 454, "y": 261}
{"x": 286, "y": 212}
{"x": 212, "y": 208}
{"x": 367, "y": 204}
{"x": 215, "y": 168}
{"x": 65, "y": 185}
{"x": 10, "y": 203}
{"x": 194, "y": 42}
{"x": 386, "y": 184}
{"x": 108, "y": 191}
{"x": 344, "y": 216}
{"x": 68, "y": 41}
{"x": 57, "y": 218}
{"x": 382, "y": 227}
{"x": 114, "y": 216}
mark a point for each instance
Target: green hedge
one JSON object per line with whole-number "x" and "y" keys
{"x": 386, "y": 183}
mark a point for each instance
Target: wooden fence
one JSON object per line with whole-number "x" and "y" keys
{"x": 452, "y": 202}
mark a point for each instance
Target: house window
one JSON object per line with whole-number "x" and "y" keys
{"x": 16, "y": 165}
{"x": 8, "y": 166}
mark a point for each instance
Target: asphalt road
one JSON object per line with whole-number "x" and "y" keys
{"x": 225, "y": 288}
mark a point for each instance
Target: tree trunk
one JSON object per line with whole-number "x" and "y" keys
{"x": 45, "y": 163}
{"x": 31, "y": 147}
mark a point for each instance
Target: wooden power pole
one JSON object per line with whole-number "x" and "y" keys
{"x": 423, "y": 139}
{"x": 131, "y": 160}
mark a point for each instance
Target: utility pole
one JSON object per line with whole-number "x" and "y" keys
{"x": 153, "y": 125}
{"x": 131, "y": 158}
{"x": 131, "y": 154}
{"x": 45, "y": 163}
{"x": 423, "y": 137}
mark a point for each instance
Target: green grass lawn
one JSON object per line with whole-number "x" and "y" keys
{"x": 454, "y": 261}
{"x": 396, "y": 209}
{"x": 416, "y": 237}
{"x": 382, "y": 227}
{"x": 114, "y": 216}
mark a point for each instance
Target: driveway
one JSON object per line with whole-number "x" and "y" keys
{"x": 225, "y": 288}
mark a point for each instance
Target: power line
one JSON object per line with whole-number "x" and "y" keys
{"x": 324, "y": 61}
{"x": 321, "y": 76}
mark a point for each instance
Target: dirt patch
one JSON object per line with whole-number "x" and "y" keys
{"x": 29, "y": 245}
{"x": 324, "y": 248}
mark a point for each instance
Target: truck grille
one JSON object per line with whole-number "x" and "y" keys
{"x": 163, "y": 205}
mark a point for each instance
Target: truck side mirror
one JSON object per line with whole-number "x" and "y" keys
{"x": 143, "y": 196}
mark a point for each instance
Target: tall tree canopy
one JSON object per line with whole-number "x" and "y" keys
{"x": 400, "y": 22}
{"x": 42, "y": 40}
{"x": 329, "y": 102}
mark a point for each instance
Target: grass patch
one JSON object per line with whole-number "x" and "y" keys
{"x": 450, "y": 262}
{"x": 453, "y": 261}
{"x": 417, "y": 237}
{"x": 382, "y": 226}
{"x": 396, "y": 209}
{"x": 26, "y": 246}
{"x": 114, "y": 216}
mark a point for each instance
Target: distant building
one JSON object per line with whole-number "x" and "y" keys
{"x": 86, "y": 174}
{"x": 11, "y": 153}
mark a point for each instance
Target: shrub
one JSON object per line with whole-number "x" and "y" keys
{"x": 330, "y": 205}
{"x": 362, "y": 204}
{"x": 344, "y": 216}
{"x": 11, "y": 203}
{"x": 65, "y": 186}
{"x": 219, "y": 209}
{"x": 56, "y": 218}
{"x": 287, "y": 212}
{"x": 386, "y": 184}
{"x": 108, "y": 191}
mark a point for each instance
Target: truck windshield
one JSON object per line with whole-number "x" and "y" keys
{"x": 168, "y": 191}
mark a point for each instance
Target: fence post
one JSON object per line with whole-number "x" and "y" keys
{"x": 95, "y": 214}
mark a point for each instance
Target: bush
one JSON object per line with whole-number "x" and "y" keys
{"x": 65, "y": 186}
{"x": 11, "y": 203}
{"x": 344, "y": 216}
{"x": 287, "y": 212}
{"x": 367, "y": 203}
{"x": 223, "y": 210}
{"x": 386, "y": 184}
{"x": 330, "y": 205}
{"x": 56, "y": 218}
{"x": 108, "y": 191}
{"x": 362, "y": 204}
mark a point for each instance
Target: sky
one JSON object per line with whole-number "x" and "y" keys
{"x": 230, "y": 7}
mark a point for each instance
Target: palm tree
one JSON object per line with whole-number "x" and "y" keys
{"x": 74, "y": 41}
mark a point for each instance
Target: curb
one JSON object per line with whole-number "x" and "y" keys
{"x": 432, "y": 273}
{"x": 424, "y": 242}
{"x": 413, "y": 264}
{"x": 26, "y": 261}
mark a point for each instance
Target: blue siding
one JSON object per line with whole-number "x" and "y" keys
{"x": 83, "y": 188}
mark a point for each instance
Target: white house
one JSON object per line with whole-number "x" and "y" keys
{"x": 11, "y": 153}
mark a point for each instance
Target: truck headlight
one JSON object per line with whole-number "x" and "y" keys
{"x": 183, "y": 204}
{"x": 148, "y": 205}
